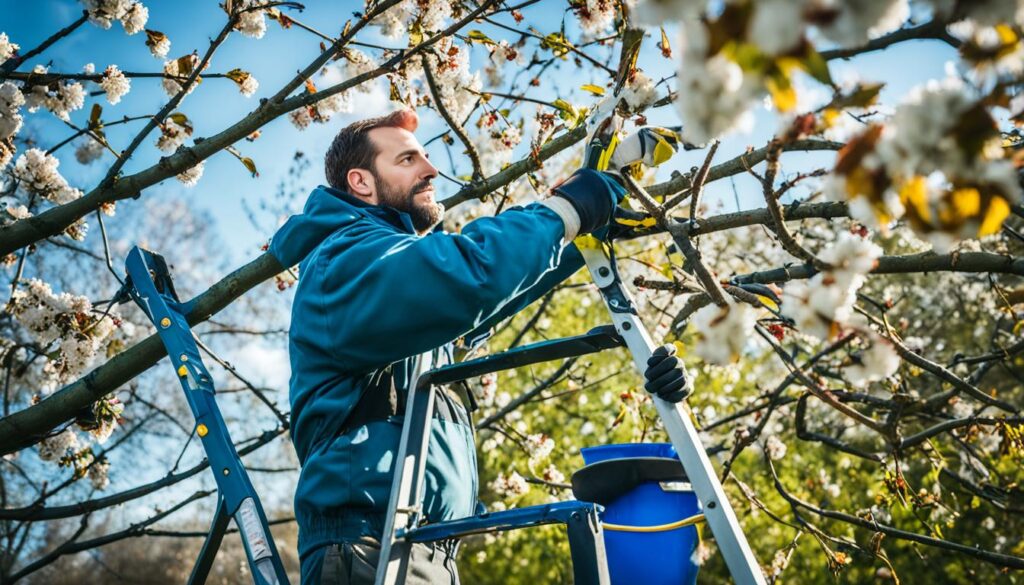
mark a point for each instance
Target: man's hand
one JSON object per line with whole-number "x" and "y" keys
{"x": 666, "y": 375}
{"x": 593, "y": 195}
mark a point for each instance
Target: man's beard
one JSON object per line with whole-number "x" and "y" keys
{"x": 424, "y": 216}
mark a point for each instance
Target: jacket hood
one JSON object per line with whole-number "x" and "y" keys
{"x": 326, "y": 210}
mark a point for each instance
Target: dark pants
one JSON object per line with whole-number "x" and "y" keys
{"x": 356, "y": 564}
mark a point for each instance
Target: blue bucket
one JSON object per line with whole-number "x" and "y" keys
{"x": 652, "y": 558}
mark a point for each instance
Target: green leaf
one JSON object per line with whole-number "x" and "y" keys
{"x": 594, "y": 89}
{"x": 479, "y": 37}
{"x": 94, "y": 115}
{"x": 816, "y": 66}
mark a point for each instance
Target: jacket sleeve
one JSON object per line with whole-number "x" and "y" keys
{"x": 388, "y": 295}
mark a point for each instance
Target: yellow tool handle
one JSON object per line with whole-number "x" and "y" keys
{"x": 659, "y": 528}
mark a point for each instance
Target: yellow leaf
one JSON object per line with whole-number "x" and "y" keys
{"x": 915, "y": 193}
{"x": 828, "y": 117}
{"x": 783, "y": 93}
{"x": 966, "y": 202}
{"x": 594, "y": 89}
{"x": 998, "y": 210}
{"x": 249, "y": 164}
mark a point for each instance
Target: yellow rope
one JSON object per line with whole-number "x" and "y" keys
{"x": 660, "y": 528}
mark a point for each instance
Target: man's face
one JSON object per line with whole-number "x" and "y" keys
{"x": 402, "y": 177}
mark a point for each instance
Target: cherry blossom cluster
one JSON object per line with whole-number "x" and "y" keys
{"x": 252, "y": 21}
{"x": 37, "y": 174}
{"x": 59, "y": 97}
{"x": 424, "y": 15}
{"x": 596, "y": 16}
{"x": 821, "y": 305}
{"x": 722, "y": 332}
{"x": 510, "y": 486}
{"x": 173, "y": 69}
{"x": 7, "y": 48}
{"x": 457, "y": 85}
{"x": 495, "y": 145}
{"x": 930, "y": 165}
{"x": 131, "y": 14}
{"x": 11, "y": 100}
{"x": 501, "y": 54}
{"x": 115, "y": 84}
{"x": 65, "y": 320}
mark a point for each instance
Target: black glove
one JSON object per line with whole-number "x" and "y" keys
{"x": 666, "y": 376}
{"x": 593, "y": 195}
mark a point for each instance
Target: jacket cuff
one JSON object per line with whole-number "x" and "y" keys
{"x": 567, "y": 212}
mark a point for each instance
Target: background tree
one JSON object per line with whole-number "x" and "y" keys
{"x": 867, "y": 427}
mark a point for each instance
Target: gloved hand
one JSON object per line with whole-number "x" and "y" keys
{"x": 649, "y": 145}
{"x": 666, "y": 376}
{"x": 593, "y": 195}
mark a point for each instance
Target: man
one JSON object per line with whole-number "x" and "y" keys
{"x": 378, "y": 286}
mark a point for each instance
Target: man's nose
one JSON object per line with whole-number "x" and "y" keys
{"x": 428, "y": 171}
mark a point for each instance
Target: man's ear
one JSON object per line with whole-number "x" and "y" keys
{"x": 362, "y": 185}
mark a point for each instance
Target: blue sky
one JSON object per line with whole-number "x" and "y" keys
{"x": 275, "y": 58}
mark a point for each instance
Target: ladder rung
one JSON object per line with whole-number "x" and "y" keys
{"x": 595, "y": 340}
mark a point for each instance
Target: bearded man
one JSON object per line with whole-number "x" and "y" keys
{"x": 378, "y": 286}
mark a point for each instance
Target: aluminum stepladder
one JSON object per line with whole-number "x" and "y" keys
{"x": 404, "y": 511}
{"x": 149, "y": 285}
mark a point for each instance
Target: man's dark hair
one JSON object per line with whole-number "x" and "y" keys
{"x": 353, "y": 149}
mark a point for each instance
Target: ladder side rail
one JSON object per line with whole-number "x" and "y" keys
{"x": 238, "y": 495}
{"x": 678, "y": 422}
{"x": 201, "y": 570}
{"x": 405, "y": 502}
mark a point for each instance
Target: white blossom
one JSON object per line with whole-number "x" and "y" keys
{"x": 11, "y": 101}
{"x": 596, "y": 16}
{"x": 115, "y": 84}
{"x": 723, "y": 331}
{"x": 37, "y": 172}
{"x": 7, "y": 48}
{"x": 539, "y": 447}
{"x": 19, "y": 212}
{"x": 553, "y": 475}
{"x": 713, "y": 94}
{"x": 858, "y": 21}
{"x": 189, "y": 177}
{"x": 432, "y": 17}
{"x": 172, "y": 135}
{"x": 821, "y": 305}
{"x": 251, "y": 23}
{"x": 877, "y": 362}
{"x": 89, "y": 68}
{"x": 135, "y": 18}
{"x": 453, "y": 78}
{"x": 775, "y": 448}
{"x": 158, "y": 43}
{"x": 58, "y": 97}
{"x": 132, "y": 15}
{"x": 300, "y": 118}
{"x": 639, "y": 92}
{"x": 173, "y": 86}
{"x": 57, "y": 446}
{"x": 88, "y": 150}
{"x": 495, "y": 148}
{"x": 63, "y": 318}
{"x": 850, "y": 255}
{"x": 513, "y": 485}
{"x": 99, "y": 474}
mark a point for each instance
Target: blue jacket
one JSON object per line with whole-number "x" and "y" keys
{"x": 372, "y": 295}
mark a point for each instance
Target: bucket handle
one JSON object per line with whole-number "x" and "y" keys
{"x": 658, "y": 528}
